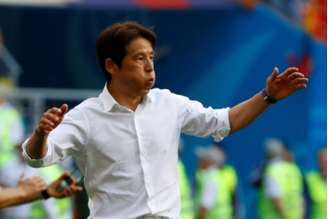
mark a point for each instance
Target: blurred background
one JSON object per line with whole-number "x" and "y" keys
{"x": 216, "y": 51}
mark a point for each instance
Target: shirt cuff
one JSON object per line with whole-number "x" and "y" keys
{"x": 224, "y": 126}
{"x": 35, "y": 162}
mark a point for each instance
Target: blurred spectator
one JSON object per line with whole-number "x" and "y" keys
{"x": 281, "y": 193}
{"x": 11, "y": 163}
{"x": 216, "y": 185}
{"x": 187, "y": 210}
{"x": 187, "y": 207}
{"x": 12, "y": 166}
{"x": 11, "y": 134}
{"x": 229, "y": 176}
{"x": 34, "y": 188}
{"x": 316, "y": 182}
{"x": 51, "y": 209}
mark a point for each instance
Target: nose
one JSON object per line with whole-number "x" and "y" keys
{"x": 149, "y": 65}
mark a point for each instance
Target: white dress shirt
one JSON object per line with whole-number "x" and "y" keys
{"x": 129, "y": 158}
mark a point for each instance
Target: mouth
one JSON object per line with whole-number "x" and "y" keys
{"x": 150, "y": 83}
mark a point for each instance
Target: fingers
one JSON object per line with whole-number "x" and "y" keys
{"x": 64, "y": 175}
{"x": 300, "y": 82}
{"x": 72, "y": 189}
{"x": 287, "y": 72}
{"x": 64, "y": 108}
{"x": 273, "y": 75}
{"x": 71, "y": 183}
{"x": 295, "y": 75}
{"x": 51, "y": 119}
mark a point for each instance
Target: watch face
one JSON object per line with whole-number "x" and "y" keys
{"x": 267, "y": 98}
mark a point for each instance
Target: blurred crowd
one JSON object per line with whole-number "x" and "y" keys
{"x": 310, "y": 14}
{"x": 284, "y": 191}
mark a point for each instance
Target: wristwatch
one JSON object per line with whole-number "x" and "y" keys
{"x": 268, "y": 98}
{"x": 45, "y": 194}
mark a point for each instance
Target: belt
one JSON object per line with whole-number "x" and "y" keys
{"x": 149, "y": 216}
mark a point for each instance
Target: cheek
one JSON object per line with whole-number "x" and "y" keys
{"x": 135, "y": 68}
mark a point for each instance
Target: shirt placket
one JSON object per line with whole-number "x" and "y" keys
{"x": 143, "y": 153}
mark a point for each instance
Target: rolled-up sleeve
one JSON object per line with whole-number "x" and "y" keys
{"x": 201, "y": 121}
{"x": 45, "y": 161}
{"x": 67, "y": 139}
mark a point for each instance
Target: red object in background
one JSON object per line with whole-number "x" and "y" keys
{"x": 166, "y": 4}
{"x": 315, "y": 19}
{"x": 304, "y": 63}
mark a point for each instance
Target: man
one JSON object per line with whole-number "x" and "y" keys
{"x": 11, "y": 137}
{"x": 126, "y": 140}
{"x": 216, "y": 185}
{"x": 317, "y": 187}
{"x": 207, "y": 183}
{"x": 34, "y": 188}
{"x": 282, "y": 194}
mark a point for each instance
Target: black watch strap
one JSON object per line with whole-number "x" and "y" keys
{"x": 268, "y": 98}
{"x": 45, "y": 194}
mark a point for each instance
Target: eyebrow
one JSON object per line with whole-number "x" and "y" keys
{"x": 143, "y": 52}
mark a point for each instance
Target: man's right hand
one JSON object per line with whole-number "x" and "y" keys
{"x": 51, "y": 119}
{"x": 36, "y": 145}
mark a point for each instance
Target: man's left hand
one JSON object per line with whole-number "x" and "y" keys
{"x": 279, "y": 86}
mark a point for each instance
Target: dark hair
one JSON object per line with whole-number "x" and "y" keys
{"x": 113, "y": 41}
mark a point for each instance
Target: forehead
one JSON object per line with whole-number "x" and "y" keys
{"x": 139, "y": 45}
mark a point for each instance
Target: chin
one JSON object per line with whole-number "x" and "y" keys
{"x": 144, "y": 92}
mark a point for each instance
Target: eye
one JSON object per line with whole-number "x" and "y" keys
{"x": 140, "y": 58}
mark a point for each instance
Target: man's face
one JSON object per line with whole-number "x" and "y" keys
{"x": 136, "y": 73}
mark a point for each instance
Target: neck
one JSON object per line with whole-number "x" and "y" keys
{"x": 124, "y": 97}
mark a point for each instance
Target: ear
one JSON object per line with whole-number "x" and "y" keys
{"x": 111, "y": 66}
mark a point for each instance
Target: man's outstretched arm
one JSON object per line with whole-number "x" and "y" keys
{"x": 278, "y": 86}
{"x": 37, "y": 143}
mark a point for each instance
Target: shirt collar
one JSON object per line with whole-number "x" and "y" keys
{"x": 107, "y": 99}
{"x": 109, "y": 102}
